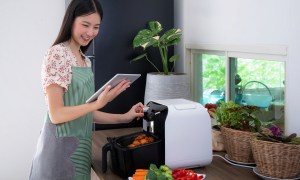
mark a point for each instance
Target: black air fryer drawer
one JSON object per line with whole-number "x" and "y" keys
{"x": 125, "y": 160}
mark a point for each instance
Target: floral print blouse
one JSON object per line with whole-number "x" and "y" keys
{"x": 56, "y": 67}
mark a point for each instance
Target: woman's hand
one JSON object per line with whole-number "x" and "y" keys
{"x": 110, "y": 93}
{"x": 136, "y": 111}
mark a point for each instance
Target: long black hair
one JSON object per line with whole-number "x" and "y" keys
{"x": 75, "y": 9}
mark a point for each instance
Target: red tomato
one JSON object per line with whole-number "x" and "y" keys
{"x": 183, "y": 174}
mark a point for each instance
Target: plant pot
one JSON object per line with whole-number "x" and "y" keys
{"x": 276, "y": 160}
{"x": 237, "y": 144}
{"x": 217, "y": 140}
{"x": 160, "y": 86}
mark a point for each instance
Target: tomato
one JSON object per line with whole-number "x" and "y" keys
{"x": 182, "y": 174}
{"x": 193, "y": 176}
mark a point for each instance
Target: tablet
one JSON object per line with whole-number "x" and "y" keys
{"x": 113, "y": 82}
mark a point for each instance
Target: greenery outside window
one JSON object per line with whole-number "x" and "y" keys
{"x": 256, "y": 80}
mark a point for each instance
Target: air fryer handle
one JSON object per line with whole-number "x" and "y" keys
{"x": 105, "y": 149}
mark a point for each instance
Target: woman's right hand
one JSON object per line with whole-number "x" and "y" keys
{"x": 111, "y": 93}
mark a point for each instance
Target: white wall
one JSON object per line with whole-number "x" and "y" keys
{"x": 27, "y": 29}
{"x": 248, "y": 22}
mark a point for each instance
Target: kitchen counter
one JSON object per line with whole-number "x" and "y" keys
{"x": 218, "y": 169}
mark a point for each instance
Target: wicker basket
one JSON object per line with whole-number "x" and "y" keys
{"x": 237, "y": 144}
{"x": 276, "y": 160}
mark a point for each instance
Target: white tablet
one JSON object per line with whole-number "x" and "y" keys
{"x": 113, "y": 82}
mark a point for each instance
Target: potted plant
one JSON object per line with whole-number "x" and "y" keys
{"x": 164, "y": 83}
{"x": 276, "y": 155}
{"x": 238, "y": 124}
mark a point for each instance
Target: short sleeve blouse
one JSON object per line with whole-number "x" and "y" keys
{"x": 56, "y": 67}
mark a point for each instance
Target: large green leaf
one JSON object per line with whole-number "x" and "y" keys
{"x": 145, "y": 38}
{"x": 170, "y": 36}
{"x": 173, "y": 42}
{"x": 155, "y": 27}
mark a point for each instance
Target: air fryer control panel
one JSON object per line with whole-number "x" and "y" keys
{"x": 154, "y": 119}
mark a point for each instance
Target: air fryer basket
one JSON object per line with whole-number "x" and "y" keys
{"x": 125, "y": 160}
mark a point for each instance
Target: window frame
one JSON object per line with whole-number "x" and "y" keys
{"x": 268, "y": 52}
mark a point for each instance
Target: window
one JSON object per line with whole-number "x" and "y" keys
{"x": 245, "y": 77}
{"x": 209, "y": 77}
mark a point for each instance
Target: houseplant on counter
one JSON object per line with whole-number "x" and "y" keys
{"x": 164, "y": 83}
{"x": 238, "y": 124}
{"x": 276, "y": 155}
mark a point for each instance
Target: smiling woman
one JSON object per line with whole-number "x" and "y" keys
{"x": 64, "y": 145}
{"x": 67, "y": 130}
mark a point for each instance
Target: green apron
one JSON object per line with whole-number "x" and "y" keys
{"x": 64, "y": 150}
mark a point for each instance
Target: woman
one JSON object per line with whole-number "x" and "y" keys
{"x": 64, "y": 147}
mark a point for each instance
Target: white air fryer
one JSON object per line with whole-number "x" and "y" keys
{"x": 185, "y": 128}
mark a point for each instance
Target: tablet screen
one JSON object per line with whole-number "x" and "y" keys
{"x": 113, "y": 82}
